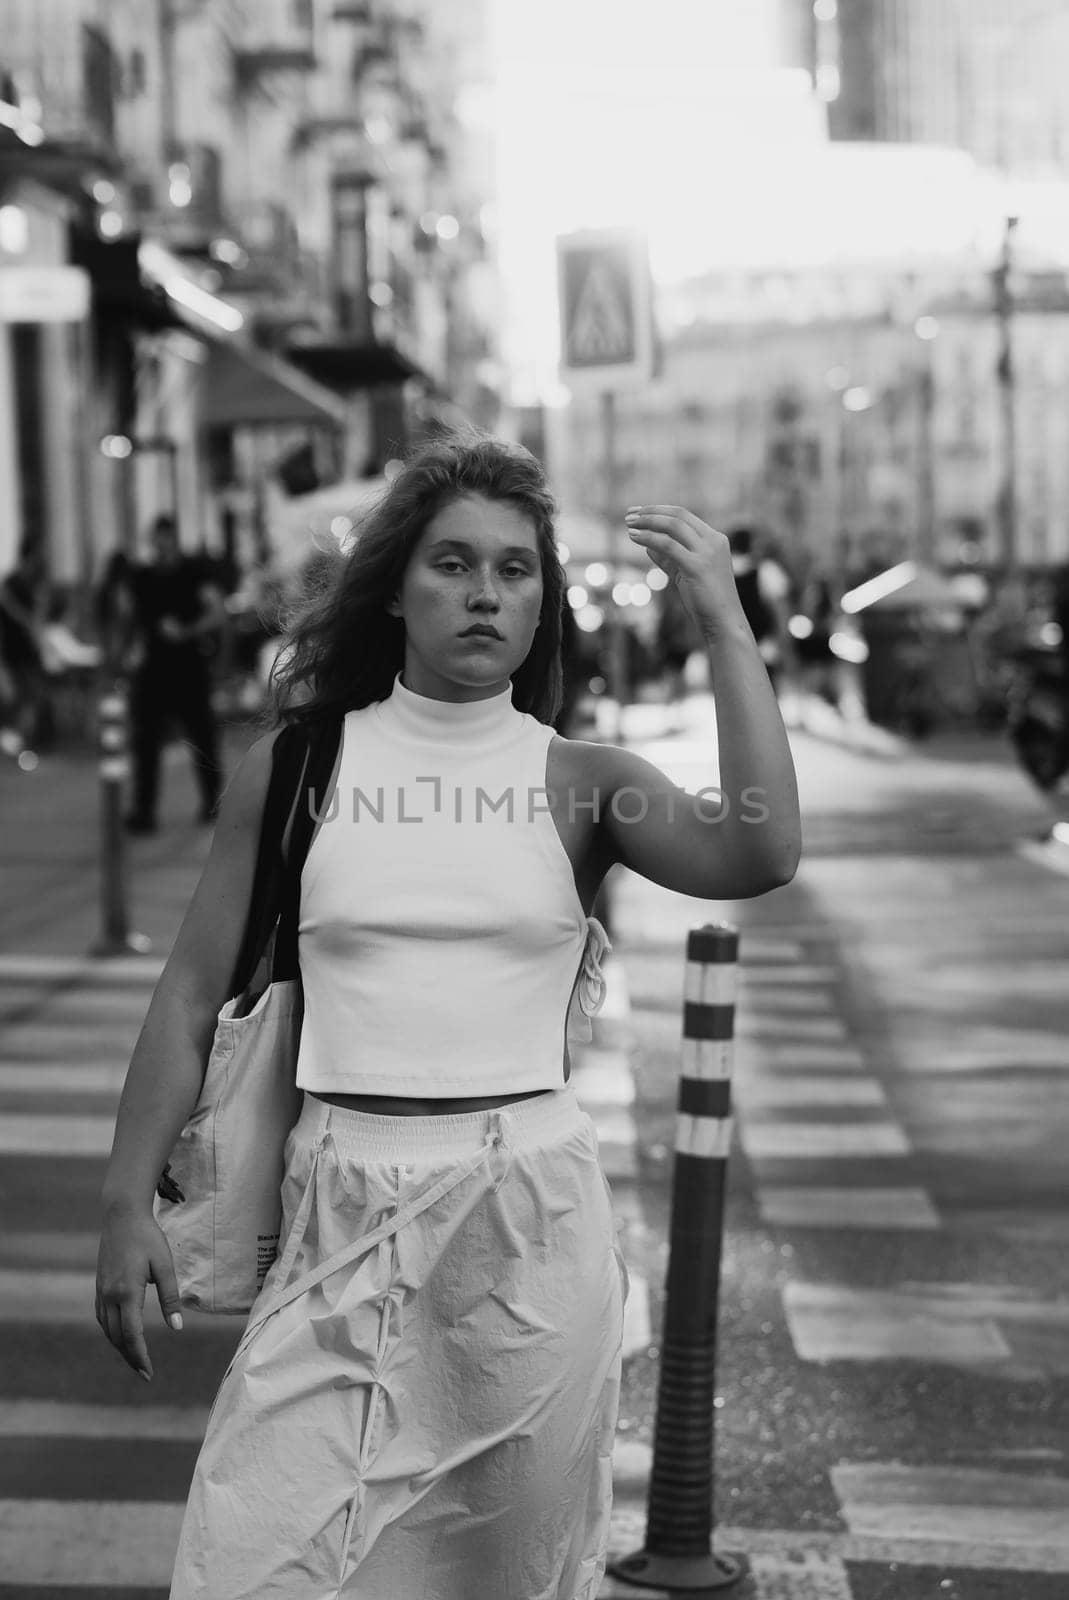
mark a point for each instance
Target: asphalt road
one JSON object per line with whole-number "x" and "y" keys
{"x": 894, "y": 1328}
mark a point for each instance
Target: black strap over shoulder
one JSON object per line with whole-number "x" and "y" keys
{"x": 302, "y": 761}
{"x": 314, "y": 782}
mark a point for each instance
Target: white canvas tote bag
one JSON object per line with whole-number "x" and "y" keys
{"x": 219, "y": 1199}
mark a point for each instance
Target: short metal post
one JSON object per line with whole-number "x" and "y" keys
{"x": 678, "y": 1553}
{"x": 114, "y": 767}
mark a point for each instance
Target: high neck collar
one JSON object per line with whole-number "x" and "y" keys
{"x": 458, "y": 723}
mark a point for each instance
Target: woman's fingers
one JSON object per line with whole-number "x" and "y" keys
{"x": 681, "y": 527}
{"x": 133, "y": 1347}
{"x": 120, "y": 1316}
{"x": 161, "y": 1270}
{"x": 111, "y": 1322}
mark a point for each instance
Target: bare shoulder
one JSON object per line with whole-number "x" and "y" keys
{"x": 608, "y": 767}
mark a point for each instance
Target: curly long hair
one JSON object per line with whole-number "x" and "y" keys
{"x": 344, "y": 649}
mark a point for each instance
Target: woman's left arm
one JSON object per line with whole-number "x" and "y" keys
{"x": 745, "y": 838}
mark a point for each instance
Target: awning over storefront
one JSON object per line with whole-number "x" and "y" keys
{"x": 242, "y": 386}
{"x": 120, "y": 292}
{"x": 348, "y": 365}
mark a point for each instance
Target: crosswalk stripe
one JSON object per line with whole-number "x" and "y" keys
{"x": 829, "y": 1322}
{"x": 67, "y": 1296}
{"x": 68, "y": 969}
{"x": 793, "y": 1027}
{"x": 771, "y": 976}
{"x": 806, "y": 1089}
{"x": 94, "y": 1008}
{"x": 615, "y": 1125}
{"x": 798, "y": 1575}
{"x": 54, "y": 1296}
{"x": 603, "y": 1078}
{"x": 617, "y": 1004}
{"x": 809, "y": 1140}
{"x": 48, "y": 1248}
{"x": 792, "y": 1545}
{"x": 637, "y": 1332}
{"x": 89, "y": 1543}
{"x": 1049, "y": 854}
{"x": 766, "y": 950}
{"x": 805, "y": 1576}
{"x": 51, "y": 1078}
{"x": 889, "y": 1208}
{"x": 809, "y": 1002}
{"x": 619, "y": 1160}
{"x": 69, "y": 1041}
{"x": 955, "y": 1505}
{"x": 59, "y": 1136}
{"x": 824, "y": 1057}
{"x": 61, "y": 1419}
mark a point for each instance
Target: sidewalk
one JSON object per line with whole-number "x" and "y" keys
{"x": 50, "y": 853}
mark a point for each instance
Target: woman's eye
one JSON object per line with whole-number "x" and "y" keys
{"x": 512, "y": 571}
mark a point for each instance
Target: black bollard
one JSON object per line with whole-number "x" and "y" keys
{"x": 114, "y": 766}
{"x": 678, "y": 1554}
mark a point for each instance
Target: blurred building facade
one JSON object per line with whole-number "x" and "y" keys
{"x": 856, "y": 415}
{"x": 982, "y": 75}
{"x": 238, "y": 238}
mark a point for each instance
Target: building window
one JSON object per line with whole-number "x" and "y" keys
{"x": 136, "y": 75}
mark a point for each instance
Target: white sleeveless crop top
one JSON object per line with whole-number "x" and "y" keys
{"x": 444, "y": 949}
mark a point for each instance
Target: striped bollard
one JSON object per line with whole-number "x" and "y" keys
{"x": 113, "y": 719}
{"x": 678, "y": 1553}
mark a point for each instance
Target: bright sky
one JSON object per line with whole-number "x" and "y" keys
{"x": 613, "y": 114}
{"x": 674, "y": 118}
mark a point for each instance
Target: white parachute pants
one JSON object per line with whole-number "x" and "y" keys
{"x": 433, "y": 1419}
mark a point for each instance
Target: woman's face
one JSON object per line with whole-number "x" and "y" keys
{"x": 477, "y": 564}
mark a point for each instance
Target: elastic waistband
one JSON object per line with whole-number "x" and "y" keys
{"x": 531, "y": 1122}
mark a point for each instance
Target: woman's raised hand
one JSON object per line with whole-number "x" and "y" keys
{"x": 695, "y": 556}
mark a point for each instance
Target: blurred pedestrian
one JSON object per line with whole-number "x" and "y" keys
{"x": 437, "y": 1419}
{"x": 23, "y": 601}
{"x": 115, "y": 613}
{"x": 818, "y": 667}
{"x": 1060, "y": 617}
{"x": 178, "y": 614}
{"x": 764, "y": 589}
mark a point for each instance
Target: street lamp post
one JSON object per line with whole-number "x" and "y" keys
{"x": 617, "y": 639}
{"x": 1006, "y": 510}
{"x": 926, "y": 329}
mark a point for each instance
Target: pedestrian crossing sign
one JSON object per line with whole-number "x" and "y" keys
{"x": 604, "y": 294}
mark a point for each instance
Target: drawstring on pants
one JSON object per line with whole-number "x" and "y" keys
{"x": 500, "y": 1138}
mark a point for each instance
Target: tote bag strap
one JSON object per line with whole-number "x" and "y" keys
{"x": 324, "y": 738}
{"x": 288, "y": 757}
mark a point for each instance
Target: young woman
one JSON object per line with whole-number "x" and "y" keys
{"x": 438, "y": 1420}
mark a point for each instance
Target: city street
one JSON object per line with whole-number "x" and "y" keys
{"x": 894, "y": 1332}
{"x": 753, "y": 315}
